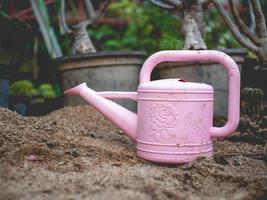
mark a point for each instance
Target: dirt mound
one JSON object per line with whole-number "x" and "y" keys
{"x": 74, "y": 153}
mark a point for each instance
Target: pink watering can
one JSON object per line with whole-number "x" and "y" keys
{"x": 173, "y": 123}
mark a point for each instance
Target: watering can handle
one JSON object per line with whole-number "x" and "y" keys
{"x": 204, "y": 55}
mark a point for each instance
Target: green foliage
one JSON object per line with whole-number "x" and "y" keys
{"x": 42, "y": 16}
{"x": 217, "y": 34}
{"x": 65, "y": 42}
{"x": 27, "y": 88}
{"x": 47, "y": 91}
{"x": 149, "y": 28}
{"x": 22, "y": 88}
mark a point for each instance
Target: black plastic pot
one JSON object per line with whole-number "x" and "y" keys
{"x": 43, "y": 108}
{"x": 19, "y": 104}
{"x": 5, "y": 75}
{"x": 28, "y": 106}
{"x": 254, "y": 74}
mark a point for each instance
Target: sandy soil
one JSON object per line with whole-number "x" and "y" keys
{"x": 74, "y": 153}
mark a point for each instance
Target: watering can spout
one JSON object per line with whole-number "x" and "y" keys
{"x": 120, "y": 116}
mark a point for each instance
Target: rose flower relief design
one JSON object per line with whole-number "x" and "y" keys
{"x": 163, "y": 121}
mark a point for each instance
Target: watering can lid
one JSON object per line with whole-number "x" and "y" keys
{"x": 173, "y": 85}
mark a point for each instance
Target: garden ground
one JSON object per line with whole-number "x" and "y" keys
{"x": 75, "y": 153}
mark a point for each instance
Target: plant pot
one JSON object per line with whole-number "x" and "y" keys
{"x": 102, "y": 71}
{"x": 44, "y": 108}
{"x": 19, "y": 104}
{"x": 254, "y": 74}
{"x": 5, "y": 75}
{"x": 4, "y": 85}
{"x": 205, "y": 72}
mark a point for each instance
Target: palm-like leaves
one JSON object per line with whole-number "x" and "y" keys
{"x": 42, "y": 16}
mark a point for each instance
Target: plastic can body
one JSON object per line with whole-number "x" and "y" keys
{"x": 174, "y": 126}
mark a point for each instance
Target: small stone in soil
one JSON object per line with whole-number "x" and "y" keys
{"x": 32, "y": 157}
{"x": 219, "y": 158}
{"x": 74, "y": 152}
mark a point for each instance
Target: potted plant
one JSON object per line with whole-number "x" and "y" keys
{"x": 21, "y": 93}
{"x": 194, "y": 28}
{"x": 46, "y": 100}
{"x": 27, "y": 99}
{"x": 114, "y": 70}
{"x": 253, "y": 37}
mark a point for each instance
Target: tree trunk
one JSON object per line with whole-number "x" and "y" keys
{"x": 263, "y": 50}
{"x": 82, "y": 42}
{"x": 193, "y": 25}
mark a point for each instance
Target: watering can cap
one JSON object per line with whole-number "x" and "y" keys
{"x": 175, "y": 85}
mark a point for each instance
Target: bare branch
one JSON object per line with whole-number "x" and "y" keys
{"x": 95, "y": 14}
{"x": 162, "y": 4}
{"x": 242, "y": 26}
{"x": 168, "y": 4}
{"x": 252, "y": 26}
{"x": 102, "y": 9}
{"x": 259, "y": 17}
{"x": 90, "y": 9}
{"x": 176, "y": 3}
{"x": 233, "y": 28}
{"x": 62, "y": 18}
{"x": 205, "y": 2}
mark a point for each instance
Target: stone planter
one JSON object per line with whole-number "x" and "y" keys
{"x": 205, "y": 72}
{"x": 102, "y": 71}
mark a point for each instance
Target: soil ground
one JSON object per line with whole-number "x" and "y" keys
{"x": 75, "y": 153}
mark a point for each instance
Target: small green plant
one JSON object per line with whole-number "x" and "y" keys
{"x": 47, "y": 91}
{"x": 22, "y": 88}
{"x": 27, "y": 88}
{"x": 252, "y": 101}
{"x": 253, "y": 119}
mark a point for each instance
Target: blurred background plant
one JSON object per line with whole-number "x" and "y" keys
{"x": 22, "y": 88}
{"x": 27, "y": 88}
{"x": 47, "y": 91}
{"x": 217, "y": 34}
{"x": 140, "y": 26}
{"x": 152, "y": 29}
{"x": 147, "y": 28}
{"x": 125, "y": 25}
